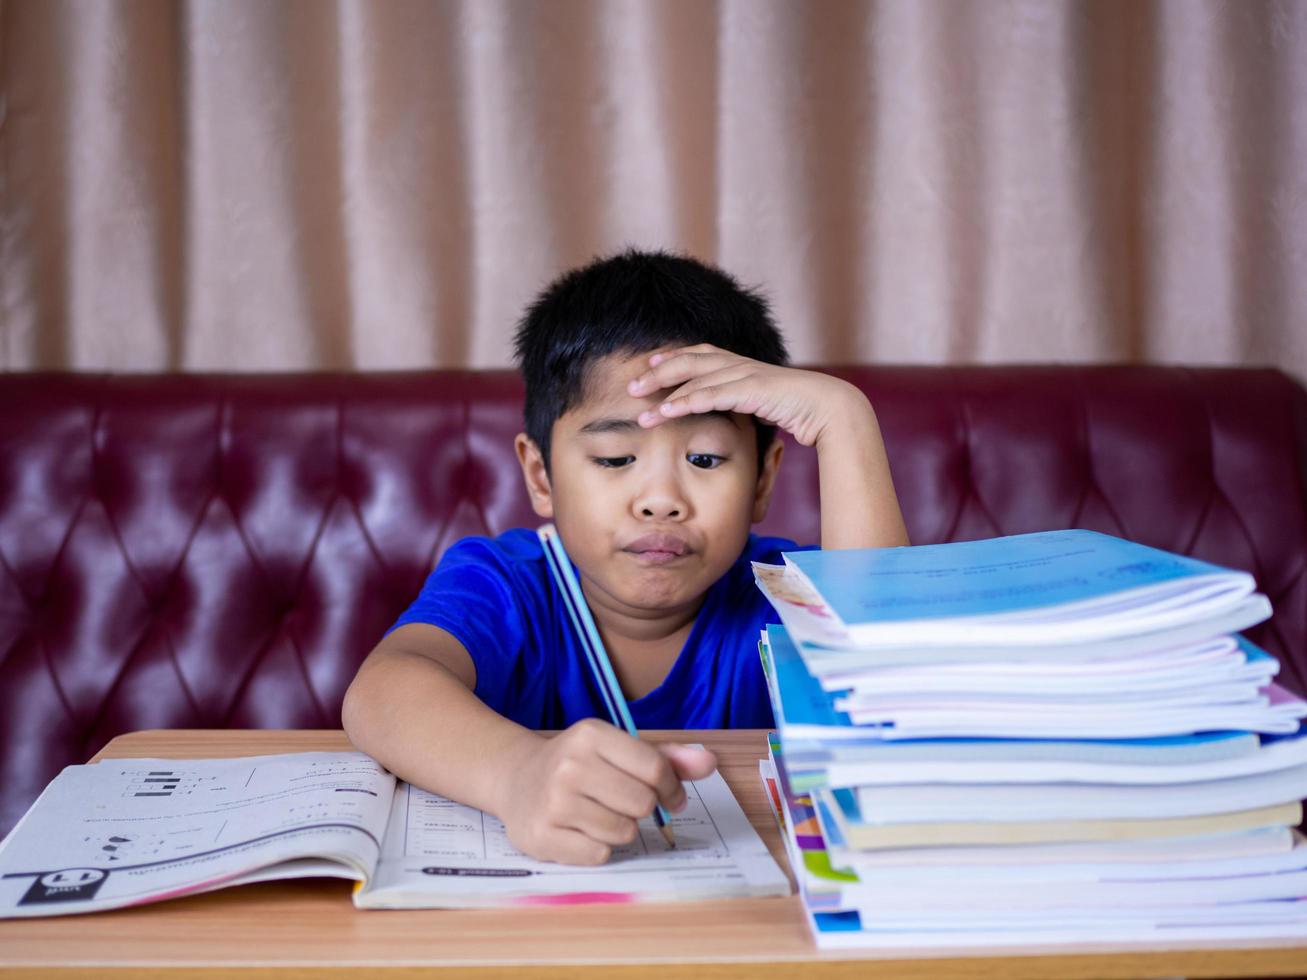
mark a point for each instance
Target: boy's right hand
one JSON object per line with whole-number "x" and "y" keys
{"x": 574, "y": 797}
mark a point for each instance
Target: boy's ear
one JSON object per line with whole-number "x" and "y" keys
{"x": 771, "y": 463}
{"x": 533, "y": 472}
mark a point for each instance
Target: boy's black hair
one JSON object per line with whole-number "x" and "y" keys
{"x": 631, "y": 303}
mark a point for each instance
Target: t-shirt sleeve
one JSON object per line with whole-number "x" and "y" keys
{"x": 471, "y": 595}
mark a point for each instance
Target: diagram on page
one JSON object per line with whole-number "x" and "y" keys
{"x": 150, "y": 812}
{"x": 129, "y": 829}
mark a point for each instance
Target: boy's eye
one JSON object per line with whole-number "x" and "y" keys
{"x": 705, "y": 461}
{"x": 611, "y": 462}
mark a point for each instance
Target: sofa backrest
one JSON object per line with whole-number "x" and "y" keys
{"x": 210, "y": 551}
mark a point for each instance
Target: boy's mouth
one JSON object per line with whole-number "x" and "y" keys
{"x": 658, "y": 549}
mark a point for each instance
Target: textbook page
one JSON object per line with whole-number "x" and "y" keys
{"x": 128, "y": 831}
{"x": 804, "y": 710}
{"x": 930, "y": 803}
{"x": 441, "y": 854}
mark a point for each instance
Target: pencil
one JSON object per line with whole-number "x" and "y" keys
{"x": 596, "y": 656}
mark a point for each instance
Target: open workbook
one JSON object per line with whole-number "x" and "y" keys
{"x": 128, "y": 831}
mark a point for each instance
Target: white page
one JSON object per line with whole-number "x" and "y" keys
{"x": 1085, "y": 679}
{"x": 837, "y": 825}
{"x": 926, "y": 802}
{"x": 1160, "y": 916}
{"x": 1037, "y": 897}
{"x": 1132, "y": 927}
{"x": 441, "y": 854}
{"x": 1086, "y": 869}
{"x": 1268, "y": 758}
{"x": 127, "y": 831}
{"x": 1266, "y": 844}
{"x": 807, "y": 756}
{"x": 944, "y": 721}
{"x": 1083, "y": 702}
{"x": 1220, "y": 655}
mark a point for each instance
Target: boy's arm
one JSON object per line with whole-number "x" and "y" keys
{"x": 859, "y": 508}
{"x": 569, "y": 798}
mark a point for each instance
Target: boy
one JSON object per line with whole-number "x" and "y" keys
{"x": 653, "y": 386}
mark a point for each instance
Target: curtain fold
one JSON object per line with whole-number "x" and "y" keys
{"x": 244, "y": 185}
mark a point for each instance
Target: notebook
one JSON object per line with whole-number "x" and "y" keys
{"x": 129, "y": 831}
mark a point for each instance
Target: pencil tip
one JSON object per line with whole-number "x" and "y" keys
{"x": 667, "y": 834}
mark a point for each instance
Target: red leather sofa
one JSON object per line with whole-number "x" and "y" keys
{"x": 209, "y": 551}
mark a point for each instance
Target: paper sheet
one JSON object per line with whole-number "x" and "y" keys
{"x": 125, "y": 831}
{"x": 438, "y": 853}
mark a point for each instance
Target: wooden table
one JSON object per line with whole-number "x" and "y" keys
{"x": 310, "y": 928}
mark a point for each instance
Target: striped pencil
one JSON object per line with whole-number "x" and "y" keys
{"x": 597, "y": 657}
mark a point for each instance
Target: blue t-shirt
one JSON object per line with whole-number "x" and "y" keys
{"x": 497, "y": 597}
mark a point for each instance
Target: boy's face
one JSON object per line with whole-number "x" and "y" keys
{"x": 650, "y": 517}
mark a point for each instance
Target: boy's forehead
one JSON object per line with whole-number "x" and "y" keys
{"x": 606, "y": 377}
{"x": 604, "y": 394}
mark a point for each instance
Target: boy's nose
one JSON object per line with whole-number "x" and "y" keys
{"x": 665, "y": 510}
{"x": 661, "y": 500}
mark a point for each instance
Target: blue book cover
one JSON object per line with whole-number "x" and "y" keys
{"x": 799, "y": 700}
{"x": 837, "y": 922}
{"x": 1020, "y": 573}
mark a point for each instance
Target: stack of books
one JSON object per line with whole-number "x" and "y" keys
{"x": 1039, "y": 739}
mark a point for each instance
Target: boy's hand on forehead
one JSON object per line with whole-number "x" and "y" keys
{"x": 704, "y": 378}
{"x": 859, "y": 508}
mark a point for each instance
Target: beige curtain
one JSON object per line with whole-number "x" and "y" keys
{"x": 260, "y": 185}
